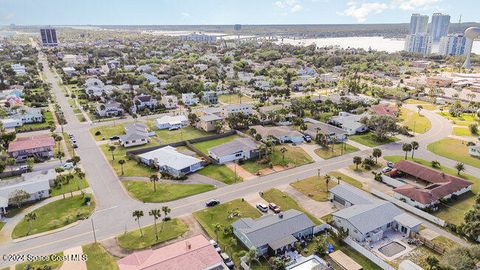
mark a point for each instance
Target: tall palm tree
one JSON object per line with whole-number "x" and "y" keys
{"x": 166, "y": 210}
{"x": 217, "y": 227}
{"x": 154, "y": 179}
{"x": 406, "y": 147}
{"x": 137, "y": 214}
{"x": 121, "y": 162}
{"x": 283, "y": 150}
{"x": 30, "y": 217}
{"x": 415, "y": 146}
{"x": 460, "y": 167}
{"x": 156, "y": 214}
{"x": 112, "y": 148}
{"x": 327, "y": 180}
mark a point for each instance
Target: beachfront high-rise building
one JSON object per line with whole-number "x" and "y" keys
{"x": 48, "y": 37}
{"x": 439, "y": 27}
{"x": 418, "y": 43}
{"x": 452, "y": 45}
{"x": 418, "y": 24}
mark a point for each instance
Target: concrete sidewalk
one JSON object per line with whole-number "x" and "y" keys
{"x": 71, "y": 264}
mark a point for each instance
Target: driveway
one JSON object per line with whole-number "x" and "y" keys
{"x": 310, "y": 148}
{"x": 316, "y": 208}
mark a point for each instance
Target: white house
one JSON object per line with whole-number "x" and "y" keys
{"x": 135, "y": 134}
{"x": 19, "y": 69}
{"x": 143, "y": 101}
{"x": 282, "y": 134}
{"x": 11, "y": 123}
{"x": 109, "y": 109}
{"x": 474, "y": 150}
{"x": 170, "y": 101}
{"x": 171, "y": 122}
{"x": 69, "y": 71}
{"x": 245, "y": 108}
{"x": 168, "y": 160}
{"x": 238, "y": 149}
{"x": 189, "y": 99}
{"x": 349, "y": 122}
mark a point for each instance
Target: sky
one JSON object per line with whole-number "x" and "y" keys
{"x": 188, "y": 12}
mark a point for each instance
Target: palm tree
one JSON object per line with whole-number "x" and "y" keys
{"x": 376, "y": 154}
{"x": 283, "y": 150}
{"x": 415, "y": 146}
{"x": 30, "y": 217}
{"x": 60, "y": 155}
{"x": 137, "y": 214}
{"x": 406, "y": 147}
{"x": 460, "y": 167}
{"x": 327, "y": 180}
{"x": 217, "y": 227}
{"x": 166, "y": 210}
{"x": 357, "y": 161}
{"x": 154, "y": 179}
{"x": 58, "y": 139}
{"x": 156, "y": 214}
{"x": 121, "y": 162}
{"x": 432, "y": 262}
{"x": 112, "y": 148}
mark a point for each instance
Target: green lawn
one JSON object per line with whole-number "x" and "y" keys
{"x": 73, "y": 185}
{"x": 335, "y": 151}
{"x": 131, "y": 167}
{"x": 1, "y": 225}
{"x": 166, "y": 231}
{"x": 204, "y": 146}
{"x": 295, "y": 156}
{"x": 99, "y": 258}
{"x": 347, "y": 179}
{"x": 414, "y": 121}
{"x": 426, "y": 105}
{"x": 452, "y": 212}
{"x": 465, "y": 119}
{"x": 143, "y": 190}
{"x": 55, "y": 215}
{"x": 69, "y": 144}
{"x": 187, "y": 133}
{"x": 285, "y": 202}
{"x": 418, "y": 256}
{"x": 221, "y": 214}
{"x": 107, "y": 131}
{"x": 51, "y": 263}
{"x": 221, "y": 173}
{"x": 368, "y": 139}
{"x": 462, "y": 131}
{"x": 46, "y": 124}
{"x": 314, "y": 187}
{"x": 234, "y": 99}
{"x": 454, "y": 149}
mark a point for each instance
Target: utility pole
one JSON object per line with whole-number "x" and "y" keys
{"x": 93, "y": 230}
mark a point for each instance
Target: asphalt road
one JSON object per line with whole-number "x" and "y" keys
{"x": 114, "y": 206}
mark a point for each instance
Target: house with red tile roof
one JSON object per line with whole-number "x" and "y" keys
{"x": 195, "y": 253}
{"x": 38, "y": 147}
{"x": 433, "y": 185}
{"x": 385, "y": 109}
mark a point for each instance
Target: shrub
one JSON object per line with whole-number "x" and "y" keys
{"x": 98, "y": 133}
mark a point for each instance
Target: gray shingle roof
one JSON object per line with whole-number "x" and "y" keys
{"x": 237, "y": 145}
{"x": 352, "y": 194}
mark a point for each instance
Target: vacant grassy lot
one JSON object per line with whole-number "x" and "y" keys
{"x": 347, "y": 179}
{"x": 314, "y": 187}
{"x": 221, "y": 214}
{"x": 131, "y": 167}
{"x": 452, "y": 212}
{"x": 465, "y": 119}
{"x": 73, "y": 185}
{"x": 107, "y": 131}
{"x": 234, "y": 99}
{"x": 166, "y": 231}
{"x": 204, "y": 146}
{"x": 285, "y": 202}
{"x": 49, "y": 264}
{"x": 368, "y": 139}
{"x": 335, "y": 151}
{"x": 55, "y": 215}
{"x": 454, "y": 149}
{"x": 99, "y": 258}
{"x": 426, "y": 105}
{"x": 462, "y": 131}
{"x": 418, "y": 256}
{"x": 414, "y": 121}
{"x": 187, "y": 133}
{"x": 143, "y": 190}
{"x": 221, "y": 173}
{"x": 295, "y": 156}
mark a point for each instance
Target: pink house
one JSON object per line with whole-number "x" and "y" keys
{"x": 195, "y": 253}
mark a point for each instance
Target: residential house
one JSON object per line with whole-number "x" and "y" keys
{"x": 21, "y": 116}
{"x": 245, "y": 108}
{"x": 69, "y": 71}
{"x": 144, "y": 68}
{"x": 39, "y": 147}
{"x": 142, "y": 102}
{"x": 385, "y": 109}
{"x": 113, "y": 64}
{"x": 151, "y": 78}
{"x": 367, "y": 218}
{"x": 170, "y": 101}
{"x": 237, "y": 149}
{"x": 307, "y": 71}
{"x": 439, "y": 81}
{"x": 19, "y": 69}
{"x": 474, "y": 150}
{"x": 135, "y": 134}
{"x": 210, "y": 97}
{"x": 333, "y": 133}
{"x": 208, "y": 122}
{"x": 329, "y": 77}
{"x": 428, "y": 187}
{"x": 168, "y": 160}
{"x": 171, "y": 122}
{"x": 109, "y": 109}
{"x": 194, "y": 253}
{"x": 280, "y": 134}
{"x": 273, "y": 234}
{"x": 349, "y": 122}
{"x": 189, "y": 99}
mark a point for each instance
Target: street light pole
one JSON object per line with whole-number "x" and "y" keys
{"x": 93, "y": 230}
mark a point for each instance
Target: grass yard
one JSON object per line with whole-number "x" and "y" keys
{"x": 234, "y": 99}
{"x": 295, "y": 156}
{"x": 107, "y": 131}
{"x": 314, "y": 187}
{"x": 368, "y": 139}
{"x": 187, "y": 133}
{"x": 465, "y": 119}
{"x": 221, "y": 173}
{"x": 51, "y": 263}
{"x": 221, "y": 214}
{"x": 452, "y": 212}
{"x": 143, "y": 191}
{"x": 426, "y": 105}
{"x": 46, "y": 124}
{"x": 414, "y": 121}
{"x": 462, "y": 131}
{"x": 99, "y": 258}
{"x": 418, "y": 256}
{"x": 168, "y": 230}
{"x": 1, "y": 225}
{"x": 347, "y": 179}
{"x": 131, "y": 167}
{"x": 204, "y": 146}
{"x": 55, "y": 215}
{"x": 454, "y": 149}
{"x": 285, "y": 202}
{"x": 327, "y": 153}
{"x": 73, "y": 185}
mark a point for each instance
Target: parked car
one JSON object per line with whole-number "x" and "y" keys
{"x": 68, "y": 166}
{"x": 114, "y": 138}
{"x": 75, "y": 146}
{"x": 390, "y": 164}
{"x": 215, "y": 245}
{"x": 228, "y": 262}
{"x": 22, "y": 167}
{"x": 262, "y": 207}
{"x": 211, "y": 203}
{"x": 386, "y": 169}
{"x": 274, "y": 208}
{"x": 307, "y": 138}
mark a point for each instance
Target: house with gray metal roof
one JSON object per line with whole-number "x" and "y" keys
{"x": 168, "y": 160}
{"x": 349, "y": 122}
{"x": 238, "y": 149}
{"x": 273, "y": 233}
{"x": 332, "y": 132}
{"x": 367, "y": 218}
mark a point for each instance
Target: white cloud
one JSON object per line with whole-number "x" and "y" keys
{"x": 185, "y": 14}
{"x": 289, "y": 5}
{"x": 413, "y": 4}
{"x": 361, "y": 11}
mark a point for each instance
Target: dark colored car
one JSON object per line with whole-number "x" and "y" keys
{"x": 114, "y": 138}
{"x": 212, "y": 203}
{"x": 274, "y": 208}
{"x": 307, "y": 138}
